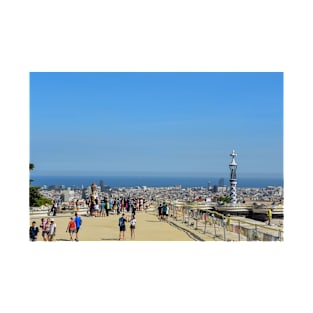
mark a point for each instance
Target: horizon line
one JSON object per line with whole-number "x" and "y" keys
{"x": 155, "y": 174}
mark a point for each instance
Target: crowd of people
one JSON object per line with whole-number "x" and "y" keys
{"x": 125, "y": 206}
{"x": 102, "y": 208}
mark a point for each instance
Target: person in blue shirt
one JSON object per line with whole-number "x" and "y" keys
{"x": 33, "y": 231}
{"x": 121, "y": 223}
{"x": 78, "y": 221}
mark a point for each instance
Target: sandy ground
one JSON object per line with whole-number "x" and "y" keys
{"x": 148, "y": 228}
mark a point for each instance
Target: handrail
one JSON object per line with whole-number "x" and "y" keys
{"x": 232, "y": 224}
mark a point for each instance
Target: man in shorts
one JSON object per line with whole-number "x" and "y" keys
{"x": 122, "y": 224}
{"x": 71, "y": 228}
{"x": 78, "y": 222}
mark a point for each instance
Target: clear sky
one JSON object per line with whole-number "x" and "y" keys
{"x": 163, "y": 123}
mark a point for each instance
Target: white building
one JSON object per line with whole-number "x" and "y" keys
{"x": 68, "y": 195}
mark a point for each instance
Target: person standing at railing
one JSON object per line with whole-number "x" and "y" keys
{"x": 269, "y": 216}
{"x": 228, "y": 222}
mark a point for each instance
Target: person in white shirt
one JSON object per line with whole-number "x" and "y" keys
{"x": 132, "y": 223}
{"x": 52, "y": 230}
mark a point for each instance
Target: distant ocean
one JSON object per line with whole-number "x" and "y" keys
{"x": 133, "y": 181}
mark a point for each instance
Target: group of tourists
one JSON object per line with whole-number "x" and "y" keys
{"x": 48, "y": 230}
{"x": 163, "y": 210}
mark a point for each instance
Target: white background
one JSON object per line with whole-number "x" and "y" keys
{"x": 155, "y": 36}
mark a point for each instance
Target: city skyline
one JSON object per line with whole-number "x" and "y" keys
{"x": 156, "y": 123}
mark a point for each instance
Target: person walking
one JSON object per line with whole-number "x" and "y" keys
{"x": 132, "y": 226}
{"x": 102, "y": 208}
{"x": 118, "y": 203}
{"x": 107, "y": 206}
{"x": 55, "y": 208}
{"x": 115, "y": 206}
{"x": 44, "y": 228}
{"x": 33, "y": 232}
{"x": 71, "y": 228}
{"x": 78, "y": 222}
{"x": 160, "y": 211}
{"x": 121, "y": 223}
{"x": 52, "y": 230}
{"x": 127, "y": 206}
{"x": 133, "y": 209}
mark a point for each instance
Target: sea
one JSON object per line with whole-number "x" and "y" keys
{"x": 151, "y": 181}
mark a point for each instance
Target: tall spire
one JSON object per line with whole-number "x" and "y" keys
{"x": 233, "y": 178}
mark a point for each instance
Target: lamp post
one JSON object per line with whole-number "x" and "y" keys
{"x": 233, "y": 178}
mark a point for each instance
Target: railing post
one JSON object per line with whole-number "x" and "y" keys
{"x": 239, "y": 230}
{"x": 188, "y": 213}
{"x": 256, "y": 232}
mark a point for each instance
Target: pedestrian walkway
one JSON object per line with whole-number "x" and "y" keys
{"x": 148, "y": 228}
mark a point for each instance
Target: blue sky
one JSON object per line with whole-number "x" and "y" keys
{"x": 162, "y": 123}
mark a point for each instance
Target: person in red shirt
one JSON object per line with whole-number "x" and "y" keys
{"x": 71, "y": 228}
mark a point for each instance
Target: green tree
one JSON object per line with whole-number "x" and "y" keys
{"x": 224, "y": 199}
{"x": 31, "y": 167}
{"x": 35, "y": 197}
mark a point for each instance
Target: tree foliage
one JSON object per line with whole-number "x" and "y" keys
{"x": 35, "y": 197}
{"x": 224, "y": 199}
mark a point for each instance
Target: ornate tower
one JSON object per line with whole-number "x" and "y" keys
{"x": 94, "y": 191}
{"x": 233, "y": 178}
